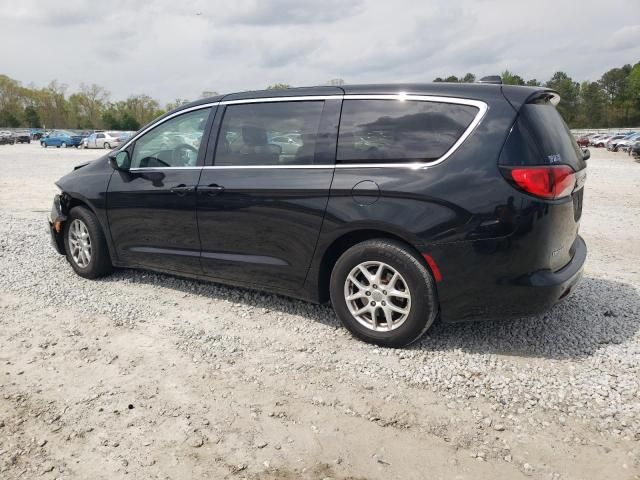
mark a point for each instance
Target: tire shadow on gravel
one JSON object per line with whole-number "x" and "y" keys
{"x": 598, "y": 313}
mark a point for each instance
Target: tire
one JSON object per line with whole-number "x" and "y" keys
{"x": 99, "y": 263}
{"x": 106, "y": 146}
{"x": 63, "y": 144}
{"x": 421, "y": 306}
{"x": 44, "y": 145}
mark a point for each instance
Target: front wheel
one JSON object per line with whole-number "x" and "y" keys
{"x": 44, "y": 145}
{"x": 107, "y": 146}
{"x": 63, "y": 144}
{"x": 85, "y": 245}
{"x": 383, "y": 293}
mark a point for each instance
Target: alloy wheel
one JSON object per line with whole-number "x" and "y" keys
{"x": 80, "y": 243}
{"x": 377, "y": 296}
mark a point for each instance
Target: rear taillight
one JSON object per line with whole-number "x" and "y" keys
{"x": 550, "y": 182}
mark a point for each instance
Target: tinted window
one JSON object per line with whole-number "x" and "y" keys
{"x": 550, "y": 135}
{"x": 259, "y": 133}
{"x": 394, "y": 130}
{"x": 174, "y": 143}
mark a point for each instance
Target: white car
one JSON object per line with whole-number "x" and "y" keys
{"x": 625, "y": 143}
{"x": 106, "y": 140}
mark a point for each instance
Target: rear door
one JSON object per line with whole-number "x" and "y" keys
{"x": 260, "y": 208}
{"x": 152, "y": 207}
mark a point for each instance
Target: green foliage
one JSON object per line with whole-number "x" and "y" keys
{"x": 509, "y": 78}
{"x": 278, "y": 86}
{"x": 468, "y": 78}
{"x": 611, "y": 101}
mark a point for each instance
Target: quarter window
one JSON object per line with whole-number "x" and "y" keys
{"x": 276, "y": 133}
{"x": 387, "y": 131}
{"x": 174, "y": 143}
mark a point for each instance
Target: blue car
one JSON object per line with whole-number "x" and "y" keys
{"x": 62, "y": 139}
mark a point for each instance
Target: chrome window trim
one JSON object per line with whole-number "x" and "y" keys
{"x": 162, "y": 120}
{"x": 309, "y": 98}
{"x": 480, "y": 105}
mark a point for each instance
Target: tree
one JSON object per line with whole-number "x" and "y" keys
{"x": 278, "y": 86}
{"x": 468, "y": 78}
{"x": 592, "y": 106}
{"x": 533, "y": 83}
{"x": 178, "y": 102}
{"x": 31, "y": 117}
{"x": 569, "y": 92}
{"x": 451, "y": 79}
{"x": 613, "y": 81}
{"x": 438, "y": 79}
{"x": 509, "y": 78}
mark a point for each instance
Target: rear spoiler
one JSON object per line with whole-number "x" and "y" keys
{"x": 518, "y": 96}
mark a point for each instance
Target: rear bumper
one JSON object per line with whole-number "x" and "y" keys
{"x": 464, "y": 297}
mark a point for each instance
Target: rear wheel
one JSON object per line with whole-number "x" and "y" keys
{"x": 44, "y": 145}
{"x": 85, "y": 244}
{"x": 63, "y": 144}
{"x": 107, "y": 146}
{"x": 383, "y": 293}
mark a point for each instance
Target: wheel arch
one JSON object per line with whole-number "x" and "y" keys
{"x": 76, "y": 200}
{"x": 347, "y": 240}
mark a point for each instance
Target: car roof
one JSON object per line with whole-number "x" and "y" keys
{"x": 479, "y": 91}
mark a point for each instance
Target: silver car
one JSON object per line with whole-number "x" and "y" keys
{"x": 106, "y": 140}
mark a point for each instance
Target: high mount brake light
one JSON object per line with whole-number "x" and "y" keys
{"x": 548, "y": 182}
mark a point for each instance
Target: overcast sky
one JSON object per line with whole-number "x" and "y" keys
{"x": 168, "y": 49}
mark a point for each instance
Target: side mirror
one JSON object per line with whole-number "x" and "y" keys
{"x": 120, "y": 160}
{"x": 586, "y": 154}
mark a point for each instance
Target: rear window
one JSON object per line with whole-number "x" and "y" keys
{"x": 387, "y": 131}
{"x": 550, "y": 135}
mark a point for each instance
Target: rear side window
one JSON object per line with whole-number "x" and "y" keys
{"x": 276, "y": 133}
{"x": 387, "y": 131}
{"x": 548, "y": 136}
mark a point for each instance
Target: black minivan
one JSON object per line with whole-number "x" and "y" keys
{"x": 398, "y": 203}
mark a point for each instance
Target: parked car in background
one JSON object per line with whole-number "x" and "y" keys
{"x": 23, "y": 136}
{"x": 106, "y": 140}
{"x": 456, "y": 206}
{"x": 7, "y": 138}
{"x": 613, "y": 141}
{"x": 602, "y": 141}
{"x": 36, "y": 133}
{"x": 61, "y": 138}
{"x": 583, "y": 141}
{"x": 616, "y": 144}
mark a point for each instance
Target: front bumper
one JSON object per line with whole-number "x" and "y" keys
{"x": 56, "y": 219}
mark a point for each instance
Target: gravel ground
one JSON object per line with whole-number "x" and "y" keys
{"x": 153, "y": 376}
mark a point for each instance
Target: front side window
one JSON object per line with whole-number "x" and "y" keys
{"x": 387, "y": 131}
{"x": 174, "y": 143}
{"x": 276, "y": 133}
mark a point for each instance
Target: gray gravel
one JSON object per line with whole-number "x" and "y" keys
{"x": 578, "y": 364}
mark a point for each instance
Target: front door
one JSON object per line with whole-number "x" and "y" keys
{"x": 152, "y": 206}
{"x": 261, "y": 207}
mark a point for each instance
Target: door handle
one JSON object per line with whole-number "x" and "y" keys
{"x": 211, "y": 190}
{"x": 181, "y": 190}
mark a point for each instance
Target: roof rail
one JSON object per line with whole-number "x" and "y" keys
{"x": 496, "y": 79}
